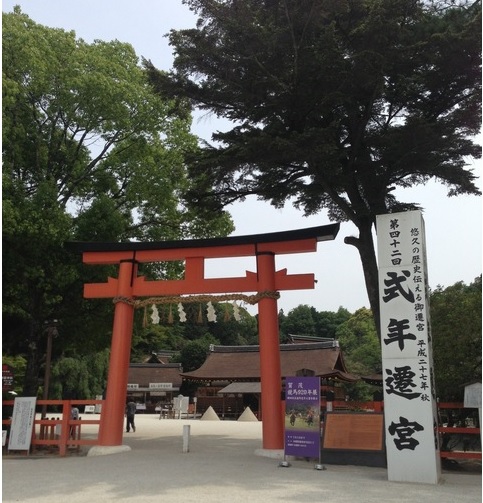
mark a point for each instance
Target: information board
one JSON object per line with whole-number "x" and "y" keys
{"x": 354, "y": 431}
{"x": 7, "y": 377}
{"x": 23, "y": 418}
{"x": 302, "y": 417}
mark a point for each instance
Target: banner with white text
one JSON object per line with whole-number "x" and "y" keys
{"x": 302, "y": 417}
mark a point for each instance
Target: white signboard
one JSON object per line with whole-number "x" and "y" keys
{"x": 98, "y": 406}
{"x": 23, "y": 418}
{"x": 180, "y": 404}
{"x": 161, "y": 385}
{"x": 410, "y": 408}
{"x": 132, "y": 386}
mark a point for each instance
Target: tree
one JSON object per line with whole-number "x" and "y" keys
{"x": 327, "y": 322}
{"x": 18, "y": 365}
{"x": 335, "y": 104}
{"x": 194, "y": 353}
{"x": 173, "y": 334}
{"x": 456, "y": 333}
{"x": 306, "y": 320}
{"x": 80, "y": 377}
{"x": 298, "y": 321}
{"x": 89, "y": 153}
{"x": 362, "y": 352}
{"x": 231, "y": 332}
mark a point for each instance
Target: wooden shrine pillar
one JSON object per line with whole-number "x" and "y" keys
{"x": 270, "y": 368}
{"x": 112, "y": 416}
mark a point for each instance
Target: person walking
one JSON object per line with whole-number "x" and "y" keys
{"x": 130, "y": 413}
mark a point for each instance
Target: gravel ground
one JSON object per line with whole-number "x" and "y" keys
{"x": 221, "y": 465}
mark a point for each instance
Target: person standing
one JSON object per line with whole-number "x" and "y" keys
{"x": 130, "y": 413}
{"x": 74, "y": 415}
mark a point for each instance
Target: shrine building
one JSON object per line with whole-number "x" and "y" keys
{"x": 229, "y": 379}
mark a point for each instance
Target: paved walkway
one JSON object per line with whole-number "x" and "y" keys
{"x": 221, "y": 466}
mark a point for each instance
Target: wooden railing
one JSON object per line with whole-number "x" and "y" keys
{"x": 459, "y": 442}
{"x": 61, "y": 432}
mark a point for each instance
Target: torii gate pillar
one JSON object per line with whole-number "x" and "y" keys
{"x": 270, "y": 372}
{"x": 111, "y": 428}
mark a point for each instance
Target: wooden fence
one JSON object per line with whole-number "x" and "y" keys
{"x": 459, "y": 441}
{"x": 59, "y": 432}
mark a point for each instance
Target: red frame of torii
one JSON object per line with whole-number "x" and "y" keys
{"x": 129, "y": 286}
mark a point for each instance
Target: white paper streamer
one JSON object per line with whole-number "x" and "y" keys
{"x": 182, "y": 314}
{"x": 155, "y": 315}
{"x": 210, "y": 312}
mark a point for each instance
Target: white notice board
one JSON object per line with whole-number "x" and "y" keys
{"x": 22, "y": 423}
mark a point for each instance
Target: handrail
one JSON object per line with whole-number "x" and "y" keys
{"x": 70, "y": 429}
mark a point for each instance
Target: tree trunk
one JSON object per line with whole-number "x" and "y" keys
{"x": 366, "y": 248}
{"x": 31, "y": 383}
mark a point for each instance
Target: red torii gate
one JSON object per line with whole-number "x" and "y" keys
{"x": 129, "y": 285}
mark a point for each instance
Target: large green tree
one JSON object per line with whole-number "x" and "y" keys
{"x": 358, "y": 339}
{"x": 299, "y": 321}
{"x": 89, "y": 153}
{"x": 359, "y": 343}
{"x": 172, "y": 333}
{"x": 307, "y": 321}
{"x": 335, "y": 104}
{"x": 456, "y": 333}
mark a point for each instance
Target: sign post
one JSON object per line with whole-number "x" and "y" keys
{"x": 7, "y": 377}
{"x": 22, "y": 424}
{"x": 302, "y": 417}
{"x": 410, "y": 407}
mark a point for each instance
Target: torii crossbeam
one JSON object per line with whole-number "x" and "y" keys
{"x": 129, "y": 286}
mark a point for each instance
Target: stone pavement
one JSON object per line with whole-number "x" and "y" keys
{"x": 220, "y": 466}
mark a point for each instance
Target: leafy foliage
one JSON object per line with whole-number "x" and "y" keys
{"x": 327, "y": 322}
{"x": 80, "y": 377}
{"x": 456, "y": 332}
{"x": 362, "y": 352}
{"x": 19, "y": 366}
{"x": 307, "y": 321}
{"x": 89, "y": 153}
{"x": 172, "y": 334}
{"x": 299, "y": 321}
{"x": 334, "y": 104}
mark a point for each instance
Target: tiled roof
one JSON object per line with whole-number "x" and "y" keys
{"x": 145, "y": 373}
{"x": 242, "y": 363}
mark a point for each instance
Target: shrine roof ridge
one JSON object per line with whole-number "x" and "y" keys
{"x": 283, "y": 347}
{"x": 155, "y": 365}
{"x": 321, "y": 233}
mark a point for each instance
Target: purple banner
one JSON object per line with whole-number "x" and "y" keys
{"x": 302, "y": 416}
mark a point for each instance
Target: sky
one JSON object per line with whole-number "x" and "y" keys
{"x": 453, "y": 225}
